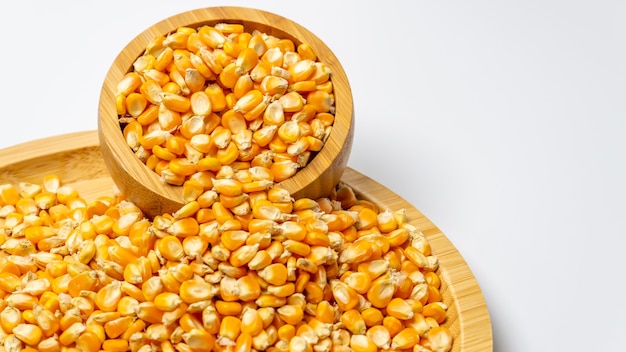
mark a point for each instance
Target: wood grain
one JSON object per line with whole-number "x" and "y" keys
{"x": 76, "y": 158}
{"x": 155, "y": 197}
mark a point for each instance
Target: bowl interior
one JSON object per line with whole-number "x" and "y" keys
{"x": 138, "y": 181}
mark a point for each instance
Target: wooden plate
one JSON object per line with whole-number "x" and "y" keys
{"x": 76, "y": 158}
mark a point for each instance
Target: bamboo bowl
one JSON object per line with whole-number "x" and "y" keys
{"x": 144, "y": 187}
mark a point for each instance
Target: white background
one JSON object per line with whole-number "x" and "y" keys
{"x": 502, "y": 121}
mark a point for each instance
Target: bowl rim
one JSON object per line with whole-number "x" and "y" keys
{"x": 341, "y": 135}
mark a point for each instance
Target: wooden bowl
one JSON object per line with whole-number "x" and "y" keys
{"x": 144, "y": 187}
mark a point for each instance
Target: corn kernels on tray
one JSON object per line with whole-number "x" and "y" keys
{"x": 21, "y": 168}
{"x": 328, "y": 272}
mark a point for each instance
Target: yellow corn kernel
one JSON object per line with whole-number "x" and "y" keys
{"x": 344, "y": 295}
{"x": 362, "y": 343}
{"x": 128, "y": 84}
{"x": 192, "y": 291}
{"x": 260, "y": 71}
{"x": 120, "y": 104}
{"x": 135, "y": 104}
{"x": 228, "y": 154}
{"x": 228, "y": 187}
{"x": 148, "y": 312}
{"x": 21, "y": 301}
{"x": 251, "y": 322}
{"x": 307, "y": 332}
{"x": 291, "y": 314}
{"x": 248, "y": 101}
{"x": 185, "y": 226}
{"x": 151, "y": 91}
{"x": 433, "y": 294}
{"x": 182, "y": 166}
{"x": 356, "y": 252}
{"x": 233, "y": 239}
{"x": 230, "y": 327}
{"x": 46, "y": 320}
{"x": 9, "y": 282}
{"x": 203, "y": 69}
{"x": 71, "y": 334}
{"x": 393, "y": 325}
{"x": 274, "y": 274}
{"x": 128, "y": 305}
{"x": 303, "y": 87}
{"x": 292, "y": 101}
{"x": 175, "y": 102}
{"x": 179, "y": 272}
{"x": 244, "y": 342}
{"x": 71, "y": 316}
{"x": 286, "y": 332}
{"x": 298, "y": 344}
{"x": 50, "y": 344}
{"x": 108, "y": 296}
{"x": 406, "y": 338}
{"x": 151, "y": 288}
{"x": 320, "y": 100}
{"x": 314, "y": 293}
{"x": 242, "y": 255}
{"x": 381, "y": 292}
{"x": 246, "y": 60}
{"x": 194, "y": 80}
{"x": 268, "y": 300}
{"x": 10, "y": 317}
{"x": 374, "y": 268}
{"x": 300, "y": 70}
{"x": 116, "y": 327}
{"x": 372, "y": 316}
{"x": 88, "y": 341}
{"x": 400, "y": 309}
{"x": 169, "y": 318}
{"x": 216, "y": 97}
{"x": 138, "y": 271}
{"x": 306, "y": 52}
{"x": 438, "y": 338}
{"x": 232, "y": 308}
{"x": 325, "y": 313}
{"x": 229, "y": 28}
{"x": 274, "y": 86}
{"x": 283, "y": 170}
{"x": 285, "y": 45}
{"x": 432, "y": 279}
{"x": 199, "y": 340}
{"x": 359, "y": 281}
{"x": 211, "y": 37}
{"x": 354, "y": 322}
{"x": 167, "y": 301}
{"x": 273, "y": 57}
{"x": 85, "y": 281}
{"x": 176, "y": 40}
{"x": 257, "y": 42}
{"x": 170, "y": 248}
{"x": 115, "y": 345}
{"x": 229, "y": 76}
{"x": 435, "y": 310}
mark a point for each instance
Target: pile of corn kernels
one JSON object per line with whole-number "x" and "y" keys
{"x": 332, "y": 274}
{"x": 200, "y": 98}
{"x": 242, "y": 266}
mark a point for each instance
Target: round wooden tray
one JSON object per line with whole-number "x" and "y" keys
{"x": 76, "y": 158}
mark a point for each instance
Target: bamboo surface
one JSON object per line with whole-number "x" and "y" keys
{"x": 77, "y": 159}
{"x": 320, "y": 175}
